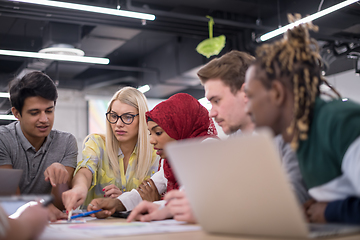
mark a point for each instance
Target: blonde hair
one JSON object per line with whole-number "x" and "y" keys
{"x": 136, "y": 99}
{"x": 294, "y": 60}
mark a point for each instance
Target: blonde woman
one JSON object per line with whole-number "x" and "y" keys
{"x": 119, "y": 161}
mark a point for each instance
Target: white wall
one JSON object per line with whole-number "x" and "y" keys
{"x": 71, "y": 114}
{"x": 347, "y": 84}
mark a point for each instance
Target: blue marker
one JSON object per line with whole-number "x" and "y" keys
{"x": 85, "y": 214}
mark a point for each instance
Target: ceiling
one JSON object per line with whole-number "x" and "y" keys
{"x": 160, "y": 52}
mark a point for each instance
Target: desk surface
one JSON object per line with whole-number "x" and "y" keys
{"x": 200, "y": 235}
{"x": 196, "y": 235}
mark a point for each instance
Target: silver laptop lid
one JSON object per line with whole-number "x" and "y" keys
{"x": 238, "y": 186}
{"x": 9, "y": 179}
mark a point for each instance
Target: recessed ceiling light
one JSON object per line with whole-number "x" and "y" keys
{"x": 63, "y": 49}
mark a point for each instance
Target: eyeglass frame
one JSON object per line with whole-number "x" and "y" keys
{"x": 117, "y": 117}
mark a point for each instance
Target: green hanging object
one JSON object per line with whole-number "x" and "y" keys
{"x": 211, "y": 46}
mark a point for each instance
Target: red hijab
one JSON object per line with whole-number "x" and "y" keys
{"x": 181, "y": 117}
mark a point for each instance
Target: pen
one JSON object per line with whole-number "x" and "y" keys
{"x": 46, "y": 201}
{"x": 85, "y": 214}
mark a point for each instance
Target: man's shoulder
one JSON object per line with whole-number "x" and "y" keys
{"x": 337, "y": 109}
{"x": 7, "y": 130}
{"x": 8, "y": 139}
{"x": 61, "y": 141}
{"x": 336, "y": 116}
{"x": 61, "y": 135}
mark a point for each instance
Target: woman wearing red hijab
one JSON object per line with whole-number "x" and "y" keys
{"x": 177, "y": 118}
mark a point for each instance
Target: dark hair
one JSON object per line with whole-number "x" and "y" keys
{"x": 230, "y": 69}
{"x": 31, "y": 85}
{"x": 296, "y": 62}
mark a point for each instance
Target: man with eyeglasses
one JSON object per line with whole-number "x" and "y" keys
{"x": 46, "y": 156}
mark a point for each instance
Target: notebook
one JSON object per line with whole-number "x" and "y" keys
{"x": 9, "y": 179}
{"x": 238, "y": 186}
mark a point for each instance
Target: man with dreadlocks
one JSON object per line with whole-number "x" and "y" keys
{"x": 283, "y": 90}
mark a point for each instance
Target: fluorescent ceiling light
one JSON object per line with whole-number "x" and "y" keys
{"x": 57, "y": 57}
{"x": 8, "y": 117}
{"x": 4, "y": 95}
{"x": 144, "y": 88}
{"x": 88, "y": 8}
{"x": 312, "y": 17}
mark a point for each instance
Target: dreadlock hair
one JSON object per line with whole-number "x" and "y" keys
{"x": 296, "y": 62}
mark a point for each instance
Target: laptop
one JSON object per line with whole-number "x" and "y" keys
{"x": 9, "y": 179}
{"x": 14, "y": 205}
{"x": 238, "y": 186}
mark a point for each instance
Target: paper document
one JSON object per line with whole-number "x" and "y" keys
{"x": 104, "y": 228}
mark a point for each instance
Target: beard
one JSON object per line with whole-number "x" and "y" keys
{"x": 233, "y": 129}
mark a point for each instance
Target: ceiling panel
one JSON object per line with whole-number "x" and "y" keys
{"x": 161, "y": 52}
